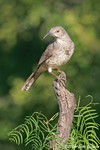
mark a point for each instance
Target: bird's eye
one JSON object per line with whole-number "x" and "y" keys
{"x": 57, "y": 31}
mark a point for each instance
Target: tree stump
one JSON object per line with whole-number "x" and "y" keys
{"x": 67, "y": 105}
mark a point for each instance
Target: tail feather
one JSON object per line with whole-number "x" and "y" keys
{"x": 32, "y": 78}
{"x": 28, "y": 83}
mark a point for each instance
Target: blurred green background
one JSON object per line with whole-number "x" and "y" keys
{"x": 23, "y": 23}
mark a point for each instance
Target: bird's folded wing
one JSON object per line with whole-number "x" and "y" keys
{"x": 47, "y": 54}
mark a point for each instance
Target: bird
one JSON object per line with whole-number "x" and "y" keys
{"x": 57, "y": 53}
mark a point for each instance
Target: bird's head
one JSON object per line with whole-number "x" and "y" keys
{"x": 57, "y": 32}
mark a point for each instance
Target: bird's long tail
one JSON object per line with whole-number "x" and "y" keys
{"x": 31, "y": 80}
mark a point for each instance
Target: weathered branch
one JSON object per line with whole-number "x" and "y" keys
{"x": 67, "y": 104}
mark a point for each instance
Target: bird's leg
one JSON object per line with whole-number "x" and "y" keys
{"x": 50, "y": 71}
{"x": 53, "y": 74}
{"x": 60, "y": 71}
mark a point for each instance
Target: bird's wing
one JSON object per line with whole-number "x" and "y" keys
{"x": 47, "y": 54}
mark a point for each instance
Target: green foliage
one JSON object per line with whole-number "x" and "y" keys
{"x": 39, "y": 131}
{"x": 23, "y": 23}
{"x": 36, "y": 130}
{"x": 84, "y": 128}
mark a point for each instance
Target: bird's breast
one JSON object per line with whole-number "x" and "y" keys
{"x": 58, "y": 58}
{"x": 61, "y": 54}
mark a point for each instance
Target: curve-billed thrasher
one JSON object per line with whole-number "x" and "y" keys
{"x": 56, "y": 54}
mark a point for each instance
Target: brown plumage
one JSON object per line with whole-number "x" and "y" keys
{"x": 56, "y": 54}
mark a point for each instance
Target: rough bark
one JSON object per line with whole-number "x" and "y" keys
{"x": 67, "y": 104}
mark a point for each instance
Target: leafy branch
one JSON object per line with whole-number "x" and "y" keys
{"x": 38, "y": 131}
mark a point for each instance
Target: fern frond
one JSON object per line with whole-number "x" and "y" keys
{"x": 84, "y": 128}
{"x": 38, "y": 131}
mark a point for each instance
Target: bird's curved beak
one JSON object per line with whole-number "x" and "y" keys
{"x": 46, "y": 35}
